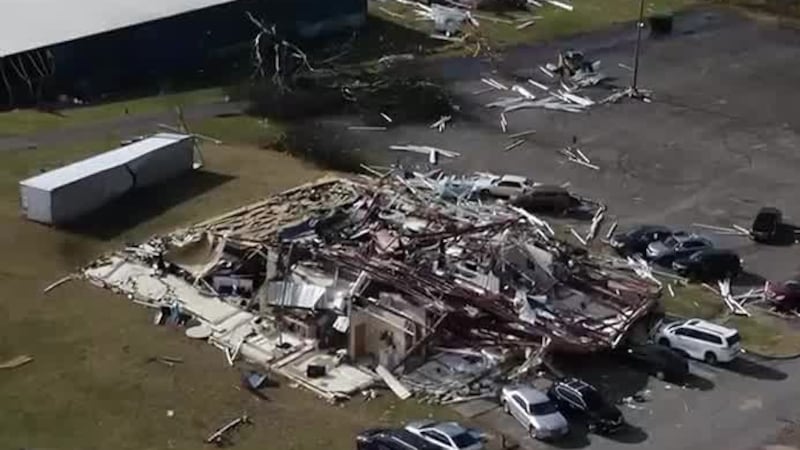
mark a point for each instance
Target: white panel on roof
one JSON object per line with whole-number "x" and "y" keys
{"x": 31, "y": 24}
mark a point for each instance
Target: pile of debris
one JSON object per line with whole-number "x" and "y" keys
{"x": 340, "y": 282}
{"x": 573, "y": 73}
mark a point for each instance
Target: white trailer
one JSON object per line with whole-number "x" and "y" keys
{"x": 67, "y": 193}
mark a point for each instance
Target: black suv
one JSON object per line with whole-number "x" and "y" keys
{"x": 766, "y": 224}
{"x": 709, "y": 264}
{"x": 574, "y": 395}
{"x": 657, "y": 360}
{"x": 391, "y": 439}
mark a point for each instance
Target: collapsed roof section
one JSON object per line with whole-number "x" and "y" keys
{"x": 487, "y": 274}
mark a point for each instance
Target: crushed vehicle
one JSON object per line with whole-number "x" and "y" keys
{"x": 392, "y": 439}
{"x": 766, "y": 225}
{"x": 447, "y": 435}
{"x": 702, "y": 340}
{"x": 709, "y": 265}
{"x": 545, "y": 199}
{"x": 783, "y": 295}
{"x": 577, "y": 396}
{"x": 657, "y": 360}
{"x": 676, "y": 246}
{"x": 535, "y": 411}
{"x": 636, "y": 240}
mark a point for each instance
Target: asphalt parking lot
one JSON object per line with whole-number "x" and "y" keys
{"x": 735, "y": 406}
{"x": 719, "y": 141}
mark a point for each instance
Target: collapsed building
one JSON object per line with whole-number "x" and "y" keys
{"x": 331, "y": 280}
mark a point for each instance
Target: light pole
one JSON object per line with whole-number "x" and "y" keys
{"x": 639, "y": 26}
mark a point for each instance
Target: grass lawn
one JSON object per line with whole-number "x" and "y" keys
{"x": 91, "y": 385}
{"x": 25, "y": 121}
{"x": 763, "y": 333}
{"x": 692, "y": 300}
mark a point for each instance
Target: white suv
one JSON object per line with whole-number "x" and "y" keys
{"x": 702, "y": 340}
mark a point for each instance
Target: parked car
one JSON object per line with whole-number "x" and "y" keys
{"x": 657, "y": 360}
{"x": 535, "y": 411}
{"x": 785, "y": 295}
{"x": 447, "y": 435}
{"x": 547, "y": 199}
{"x": 636, "y": 240}
{"x": 709, "y": 264}
{"x": 506, "y": 186}
{"x": 678, "y": 245}
{"x": 392, "y": 439}
{"x": 766, "y": 224}
{"x": 578, "y": 396}
{"x": 701, "y": 340}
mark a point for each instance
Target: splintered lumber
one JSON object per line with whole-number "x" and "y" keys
{"x": 514, "y": 144}
{"x": 560, "y": 4}
{"x": 220, "y": 433}
{"x": 58, "y": 283}
{"x": 547, "y": 72}
{"x": 611, "y": 230}
{"x": 578, "y": 161}
{"x": 503, "y": 122}
{"x": 577, "y": 236}
{"x": 394, "y": 384}
{"x": 524, "y": 25}
{"x": 521, "y": 134}
{"x": 16, "y": 361}
{"x": 359, "y": 128}
{"x": 386, "y": 117}
{"x": 538, "y": 85}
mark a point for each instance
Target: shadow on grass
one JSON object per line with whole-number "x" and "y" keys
{"x": 139, "y": 206}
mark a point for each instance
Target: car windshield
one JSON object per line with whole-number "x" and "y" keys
{"x": 733, "y": 340}
{"x": 670, "y": 241}
{"x": 543, "y": 409}
{"x": 464, "y": 439}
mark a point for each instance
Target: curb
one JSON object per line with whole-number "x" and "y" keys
{"x": 772, "y": 357}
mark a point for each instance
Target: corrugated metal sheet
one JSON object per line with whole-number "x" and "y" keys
{"x": 294, "y": 295}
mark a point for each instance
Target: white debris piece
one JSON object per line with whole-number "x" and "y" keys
{"x": 523, "y": 92}
{"x": 538, "y": 85}
{"x": 560, "y": 4}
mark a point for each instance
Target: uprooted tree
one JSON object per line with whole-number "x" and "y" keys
{"x": 287, "y": 59}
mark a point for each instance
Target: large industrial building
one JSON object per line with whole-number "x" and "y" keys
{"x": 101, "y": 45}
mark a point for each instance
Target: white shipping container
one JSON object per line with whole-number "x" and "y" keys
{"x": 67, "y": 193}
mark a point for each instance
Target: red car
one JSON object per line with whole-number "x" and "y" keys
{"x": 784, "y": 295}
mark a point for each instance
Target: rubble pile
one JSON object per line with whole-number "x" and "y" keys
{"x": 330, "y": 280}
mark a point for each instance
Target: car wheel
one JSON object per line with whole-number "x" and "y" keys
{"x": 660, "y": 375}
{"x": 532, "y": 432}
{"x": 664, "y": 342}
{"x": 710, "y": 358}
{"x": 506, "y": 408}
{"x": 485, "y": 194}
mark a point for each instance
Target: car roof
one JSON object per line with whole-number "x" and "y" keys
{"x": 401, "y": 438}
{"x": 514, "y": 178}
{"x": 532, "y": 395}
{"x": 449, "y": 428}
{"x": 705, "y": 325}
